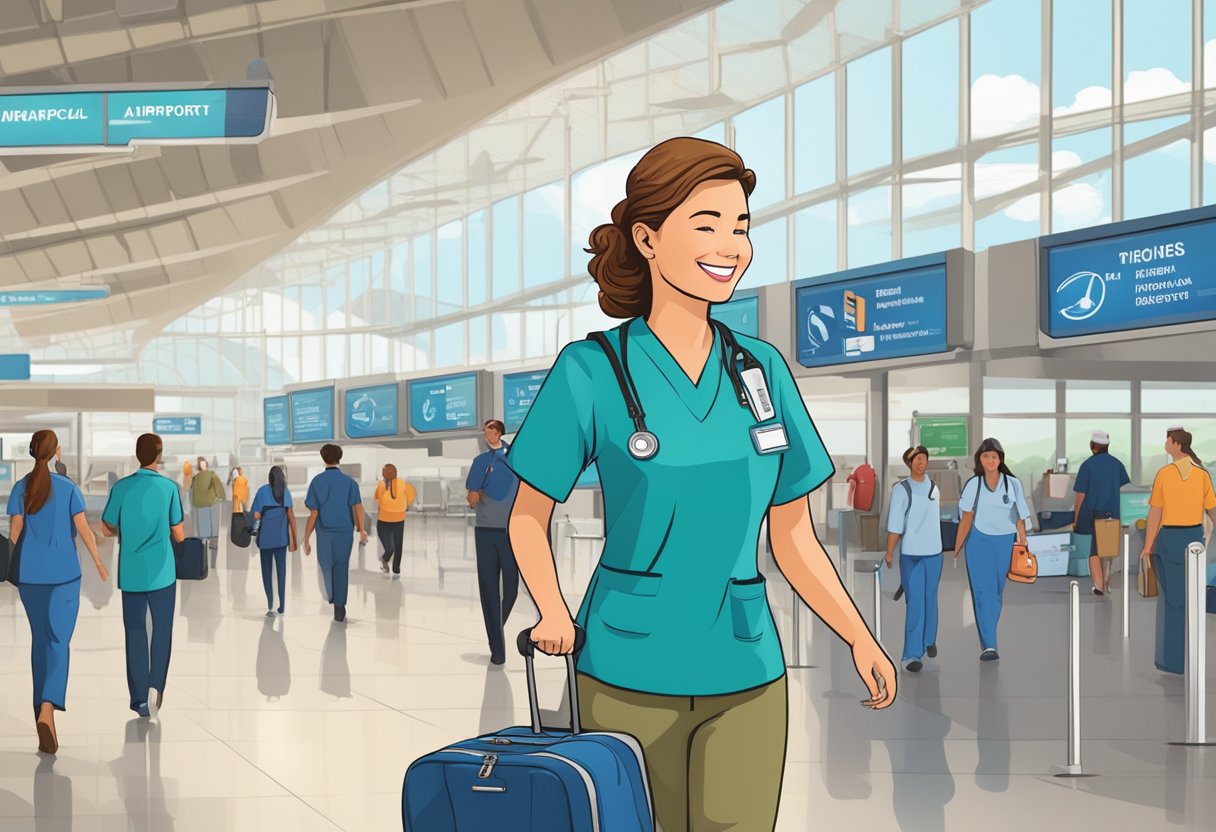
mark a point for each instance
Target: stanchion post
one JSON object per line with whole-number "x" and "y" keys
{"x": 1196, "y": 647}
{"x": 1127, "y": 583}
{"x": 878, "y": 603}
{"x": 842, "y": 536}
{"x": 1073, "y": 767}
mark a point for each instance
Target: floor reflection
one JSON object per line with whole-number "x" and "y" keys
{"x": 335, "y": 671}
{"x": 273, "y": 663}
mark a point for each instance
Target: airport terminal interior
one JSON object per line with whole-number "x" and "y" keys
{"x": 257, "y": 229}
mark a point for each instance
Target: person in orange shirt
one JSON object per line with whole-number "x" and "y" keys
{"x": 1182, "y": 493}
{"x": 393, "y": 497}
{"x": 240, "y": 491}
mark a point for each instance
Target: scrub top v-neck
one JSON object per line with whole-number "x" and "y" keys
{"x": 676, "y": 605}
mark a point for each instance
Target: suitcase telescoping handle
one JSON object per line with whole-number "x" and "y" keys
{"x": 528, "y": 650}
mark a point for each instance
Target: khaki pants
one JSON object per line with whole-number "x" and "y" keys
{"x": 714, "y": 762}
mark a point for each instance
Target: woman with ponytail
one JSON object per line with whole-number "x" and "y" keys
{"x": 680, "y": 646}
{"x": 47, "y": 512}
{"x": 272, "y": 510}
{"x": 1182, "y": 492}
{"x": 393, "y": 499}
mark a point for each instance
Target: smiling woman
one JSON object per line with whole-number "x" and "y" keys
{"x": 681, "y": 650}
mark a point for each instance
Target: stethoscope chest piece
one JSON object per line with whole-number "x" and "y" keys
{"x": 643, "y": 444}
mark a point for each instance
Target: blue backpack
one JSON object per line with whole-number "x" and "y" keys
{"x": 272, "y": 533}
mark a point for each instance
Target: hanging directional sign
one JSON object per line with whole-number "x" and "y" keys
{"x": 33, "y": 120}
{"x": 42, "y": 298}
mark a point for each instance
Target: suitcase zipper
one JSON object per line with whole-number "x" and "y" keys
{"x": 588, "y": 783}
{"x": 487, "y": 766}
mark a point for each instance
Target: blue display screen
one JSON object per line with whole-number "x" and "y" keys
{"x": 6, "y": 471}
{"x": 15, "y": 367}
{"x": 872, "y": 317}
{"x": 444, "y": 403}
{"x": 742, "y": 315}
{"x": 518, "y": 392}
{"x": 52, "y": 296}
{"x": 1148, "y": 278}
{"x": 371, "y": 411}
{"x": 312, "y": 415}
{"x": 118, "y": 118}
{"x": 276, "y": 420}
{"x": 177, "y": 425}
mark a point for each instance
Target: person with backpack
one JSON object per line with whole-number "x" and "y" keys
{"x": 914, "y": 529}
{"x": 276, "y": 533}
{"x": 206, "y": 492}
{"x": 995, "y": 520}
{"x": 46, "y": 513}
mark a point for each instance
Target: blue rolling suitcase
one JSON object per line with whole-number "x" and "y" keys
{"x": 532, "y": 779}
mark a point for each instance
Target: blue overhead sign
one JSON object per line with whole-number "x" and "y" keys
{"x": 312, "y": 415}
{"x": 15, "y": 367}
{"x": 117, "y": 118}
{"x": 872, "y": 314}
{"x": 276, "y": 420}
{"x": 372, "y": 411}
{"x": 742, "y": 315}
{"x": 43, "y": 298}
{"x": 518, "y": 392}
{"x": 177, "y": 425}
{"x": 1133, "y": 275}
{"x": 444, "y": 403}
{"x": 70, "y": 118}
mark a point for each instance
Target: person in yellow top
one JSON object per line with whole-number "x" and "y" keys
{"x": 1182, "y": 492}
{"x": 240, "y": 491}
{"x": 393, "y": 497}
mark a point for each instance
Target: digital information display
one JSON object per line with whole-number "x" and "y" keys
{"x": 1133, "y": 506}
{"x": 276, "y": 420}
{"x": 871, "y": 318}
{"x": 115, "y": 119}
{"x": 1147, "y": 278}
{"x": 43, "y": 298}
{"x": 312, "y": 415}
{"x": 15, "y": 367}
{"x": 944, "y": 435}
{"x": 177, "y": 425}
{"x": 518, "y": 392}
{"x": 1052, "y": 552}
{"x": 443, "y": 403}
{"x": 742, "y": 315}
{"x": 372, "y": 411}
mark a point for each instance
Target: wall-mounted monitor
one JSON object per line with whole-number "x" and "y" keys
{"x": 1141, "y": 274}
{"x": 177, "y": 425}
{"x": 913, "y": 307}
{"x": 518, "y": 392}
{"x": 1133, "y": 506}
{"x": 312, "y": 415}
{"x": 742, "y": 314}
{"x": 372, "y": 411}
{"x": 444, "y": 403}
{"x": 276, "y": 420}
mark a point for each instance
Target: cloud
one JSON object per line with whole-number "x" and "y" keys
{"x": 1002, "y": 104}
{"x": 992, "y": 179}
{"x": 1209, "y": 146}
{"x": 1079, "y": 204}
{"x": 1064, "y": 160}
{"x": 1145, "y": 85}
{"x": 1090, "y": 98}
{"x": 1209, "y": 64}
{"x": 1025, "y": 209}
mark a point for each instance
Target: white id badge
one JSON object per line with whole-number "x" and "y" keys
{"x": 757, "y": 394}
{"x": 770, "y": 439}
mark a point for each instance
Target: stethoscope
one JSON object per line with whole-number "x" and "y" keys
{"x": 643, "y": 444}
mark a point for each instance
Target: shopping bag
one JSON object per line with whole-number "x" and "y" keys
{"x": 1106, "y": 535}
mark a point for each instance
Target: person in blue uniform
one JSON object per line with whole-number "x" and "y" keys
{"x": 336, "y": 512}
{"x": 914, "y": 529}
{"x": 46, "y": 513}
{"x": 698, "y": 434}
{"x": 272, "y": 511}
{"x": 1099, "y": 481}
{"x": 995, "y": 512}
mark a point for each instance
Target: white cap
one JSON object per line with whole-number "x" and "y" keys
{"x": 1100, "y": 437}
{"x": 1174, "y": 428}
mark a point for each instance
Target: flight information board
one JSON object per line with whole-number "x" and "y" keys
{"x": 372, "y": 411}
{"x": 177, "y": 425}
{"x": 1149, "y": 276}
{"x": 741, "y": 315}
{"x": 518, "y": 392}
{"x": 276, "y": 420}
{"x": 871, "y": 317}
{"x": 444, "y": 403}
{"x": 312, "y": 415}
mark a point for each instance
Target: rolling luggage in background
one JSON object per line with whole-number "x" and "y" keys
{"x": 191, "y": 557}
{"x": 240, "y": 532}
{"x": 525, "y": 779}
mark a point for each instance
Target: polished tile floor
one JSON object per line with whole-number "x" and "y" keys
{"x": 303, "y": 724}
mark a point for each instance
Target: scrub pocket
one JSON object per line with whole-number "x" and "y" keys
{"x": 748, "y": 608}
{"x": 628, "y": 602}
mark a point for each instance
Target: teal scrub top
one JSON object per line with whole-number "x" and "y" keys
{"x": 143, "y": 507}
{"x": 676, "y": 605}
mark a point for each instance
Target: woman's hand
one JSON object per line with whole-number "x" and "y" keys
{"x": 102, "y": 571}
{"x": 890, "y": 560}
{"x": 554, "y": 635}
{"x": 876, "y": 670}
